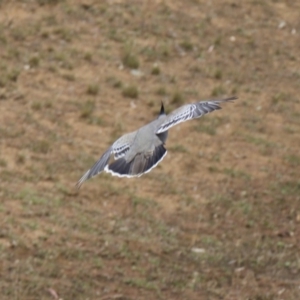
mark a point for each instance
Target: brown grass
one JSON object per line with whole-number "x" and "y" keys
{"x": 219, "y": 218}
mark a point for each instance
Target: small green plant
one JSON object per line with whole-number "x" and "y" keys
{"x": 92, "y": 89}
{"x": 3, "y": 162}
{"x": 87, "y": 109}
{"x": 155, "y": 70}
{"x": 13, "y": 75}
{"x": 186, "y": 45}
{"x": 41, "y": 146}
{"x": 2, "y": 82}
{"x": 234, "y": 173}
{"x": 34, "y": 61}
{"x": 44, "y": 34}
{"x": 161, "y": 91}
{"x": 177, "y": 98}
{"x": 178, "y": 148}
{"x": 129, "y": 59}
{"x": 130, "y": 91}
{"x": 213, "y": 169}
{"x": 88, "y": 56}
{"x": 279, "y": 98}
{"x": 150, "y": 103}
{"x": 48, "y": 104}
{"x": 117, "y": 84}
{"x": 63, "y": 33}
{"x": 114, "y": 82}
{"x": 18, "y": 34}
{"x": 20, "y": 159}
{"x": 68, "y": 76}
{"x": 218, "y": 41}
{"x": 210, "y": 125}
{"x": 96, "y": 121}
{"x": 218, "y": 74}
{"x": 36, "y": 105}
{"x": 217, "y": 91}
{"x": 159, "y": 52}
{"x": 293, "y": 160}
{"x": 234, "y": 91}
{"x": 30, "y": 197}
{"x": 48, "y": 2}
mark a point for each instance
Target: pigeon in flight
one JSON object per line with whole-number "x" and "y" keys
{"x": 138, "y": 152}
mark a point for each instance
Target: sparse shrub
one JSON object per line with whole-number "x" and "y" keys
{"x": 158, "y": 52}
{"x": 280, "y": 97}
{"x": 3, "y": 162}
{"x": 2, "y": 82}
{"x": 218, "y": 74}
{"x": 165, "y": 52}
{"x": 218, "y": 41}
{"x": 87, "y": 109}
{"x": 48, "y": 104}
{"x": 68, "y": 76}
{"x": 130, "y": 91}
{"x": 36, "y": 105}
{"x": 234, "y": 90}
{"x": 129, "y": 59}
{"x": 96, "y": 121}
{"x": 217, "y": 91}
{"x": 115, "y": 83}
{"x": 63, "y": 33}
{"x": 150, "y": 103}
{"x": 93, "y": 89}
{"x": 173, "y": 79}
{"x": 18, "y": 34}
{"x": 45, "y": 2}
{"x": 41, "y": 146}
{"x": 20, "y": 159}
{"x": 13, "y": 75}
{"x": 177, "y": 98}
{"x": 161, "y": 91}
{"x": 178, "y": 148}
{"x": 155, "y": 70}
{"x": 34, "y": 61}
{"x": 186, "y": 45}
{"x": 88, "y": 56}
{"x": 45, "y": 34}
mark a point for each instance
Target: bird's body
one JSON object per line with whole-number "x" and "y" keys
{"x": 138, "y": 152}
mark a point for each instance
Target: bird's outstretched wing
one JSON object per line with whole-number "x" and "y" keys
{"x": 191, "y": 111}
{"x": 122, "y": 145}
{"x": 119, "y": 148}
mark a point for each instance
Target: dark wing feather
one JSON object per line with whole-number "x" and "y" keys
{"x": 142, "y": 163}
{"x": 121, "y": 146}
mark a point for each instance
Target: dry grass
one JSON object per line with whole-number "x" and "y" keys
{"x": 219, "y": 218}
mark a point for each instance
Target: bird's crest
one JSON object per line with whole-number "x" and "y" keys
{"x": 162, "y": 109}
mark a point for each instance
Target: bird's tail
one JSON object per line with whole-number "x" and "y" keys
{"x": 142, "y": 163}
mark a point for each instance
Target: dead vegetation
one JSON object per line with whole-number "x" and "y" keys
{"x": 219, "y": 218}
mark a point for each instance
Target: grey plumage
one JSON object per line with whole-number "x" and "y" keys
{"x": 138, "y": 152}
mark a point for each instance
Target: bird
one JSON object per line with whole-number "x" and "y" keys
{"x": 140, "y": 151}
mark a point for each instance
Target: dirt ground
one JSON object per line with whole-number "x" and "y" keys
{"x": 219, "y": 218}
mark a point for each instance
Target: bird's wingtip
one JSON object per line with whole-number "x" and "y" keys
{"x": 82, "y": 180}
{"x": 231, "y": 99}
{"x": 78, "y": 185}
